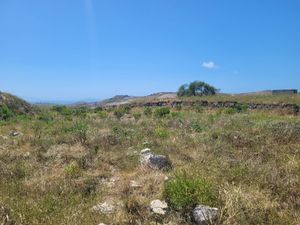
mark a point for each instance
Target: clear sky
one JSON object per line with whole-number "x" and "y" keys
{"x": 81, "y": 49}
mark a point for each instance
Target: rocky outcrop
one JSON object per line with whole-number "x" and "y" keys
{"x": 15, "y": 104}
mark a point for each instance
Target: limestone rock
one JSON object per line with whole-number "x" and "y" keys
{"x": 104, "y": 207}
{"x": 158, "y": 207}
{"x": 203, "y": 215}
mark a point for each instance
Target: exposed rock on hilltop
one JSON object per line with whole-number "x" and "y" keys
{"x": 15, "y": 104}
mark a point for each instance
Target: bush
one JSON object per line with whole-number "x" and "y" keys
{"x": 79, "y": 130}
{"x": 72, "y": 170}
{"x": 102, "y": 114}
{"x": 5, "y": 113}
{"x": 62, "y": 109}
{"x": 184, "y": 192}
{"x": 148, "y": 111}
{"x": 46, "y": 118}
{"x": 137, "y": 116}
{"x": 119, "y": 113}
{"x": 240, "y": 108}
{"x": 198, "y": 108}
{"x": 196, "y": 127}
{"x": 81, "y": 111}
{"x": 161, "y": 132}
{"x": 162, "y": 112}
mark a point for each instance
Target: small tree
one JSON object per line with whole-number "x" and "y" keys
{"x": 196, "y": 88}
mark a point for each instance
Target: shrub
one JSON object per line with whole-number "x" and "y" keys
{"x": 198, "y": 108}
{"x": 137, "y": 116}
{"x": 161, "y": 132}
{"x": 46, "y": 118}
{"x": 121, "y": 111}
{"x": 196, "y": 127}
{"x": 184, "y": 192}
{"x": 98, "y": 109}
{"x": 5, "y": 113}
{"x": 79, "y": 130}
{"x": 178, "y": 107}
{"x": 103, "y": 114}
{"x": 229, "y": 111}
{"x": 148, "y": 111}
{"x": 62, "y": 109}
{"x": 162, "y": 112}
{"x": 72, "y": 170}
{"x": 81, "y": 111}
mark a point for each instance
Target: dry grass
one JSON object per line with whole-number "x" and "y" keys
{"x": 56, "y": 170}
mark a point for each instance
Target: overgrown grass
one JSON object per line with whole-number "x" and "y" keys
{"x": 65, "y": 161}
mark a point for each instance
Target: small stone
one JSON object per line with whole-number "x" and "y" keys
{"x": 101, "y": 224}
{"x": 158, "y": 207}
{"x": 146, "y": 151}
{"x": 134, "y": 184}
{"x": 104, "y": 208}
{"x": 14, "y": 133}
{"x": 204, "y": 214}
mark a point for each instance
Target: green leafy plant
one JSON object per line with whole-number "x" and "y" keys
{"x": 137, "y": 116}
{"x": 5, "y": 113}
{"x": 148, "y": 111}
{"x": 195, "y": 125}
{"x": 161, "y": 132}
{"x": 162, "y": 112}
{"x": 103, "y": 114}
{"x": 72, "y": 170}
{"x": 185, "y": 191}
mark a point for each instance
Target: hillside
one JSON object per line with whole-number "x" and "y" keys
{"x": 15, "y": 104}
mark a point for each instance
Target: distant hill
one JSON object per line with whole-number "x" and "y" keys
{"x": 15, "y": 104}
{"x": 124, "y": 99}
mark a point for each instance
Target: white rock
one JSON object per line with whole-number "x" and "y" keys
{"x": 101, "y": 224}
{"x": 204, "y": 214}
{"x": 14, "y": 133}
{"x": 134, "y": 184}
{"x": 158, "y": 207}
{"x": 104, "y": 208}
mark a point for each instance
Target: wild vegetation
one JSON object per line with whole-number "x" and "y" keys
{"x": 196, "y": 88}
{"x": 64, "y": 161}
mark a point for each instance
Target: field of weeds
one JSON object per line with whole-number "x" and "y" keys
{"x": 60, "y": 163}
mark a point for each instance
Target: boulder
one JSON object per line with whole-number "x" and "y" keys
{"x": 148, "y": 159}
{"x": 203, "y": 215}
{"x": 158, "y": 207}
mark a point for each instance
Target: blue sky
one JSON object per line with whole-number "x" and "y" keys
{"x": 81, "y": 49}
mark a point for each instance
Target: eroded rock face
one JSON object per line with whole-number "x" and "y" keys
{"x": 202, "y": 214}
{"x": 148, "y": 159}
{"x": 158, "y": 207}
